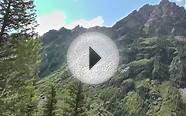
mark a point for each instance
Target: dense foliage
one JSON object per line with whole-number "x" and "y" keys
{"x": 19, "y": 64}
{"x": 148, "y": 82}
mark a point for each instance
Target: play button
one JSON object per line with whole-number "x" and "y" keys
{"x": 93, "y": 58}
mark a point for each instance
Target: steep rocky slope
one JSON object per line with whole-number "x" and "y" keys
{"x": 152, "y": 44}
{"x": 165, "y": 19}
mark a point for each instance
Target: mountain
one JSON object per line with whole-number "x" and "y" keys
{"x": 152, "y": 71}
{"x": 165, "y": 19}
{"x": 56, "y": 44}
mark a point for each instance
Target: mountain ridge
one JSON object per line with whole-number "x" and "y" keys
{"x": 149, "y": 79}
{"x": 164, "y": 19}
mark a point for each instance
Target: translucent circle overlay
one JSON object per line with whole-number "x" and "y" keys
{"x": 78, "y": 58}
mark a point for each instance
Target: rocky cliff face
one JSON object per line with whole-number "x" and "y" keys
{"x": 163, "y": 19}
{"x": 136, "y": 35}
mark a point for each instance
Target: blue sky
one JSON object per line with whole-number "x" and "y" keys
{"x": 87, "y": 13}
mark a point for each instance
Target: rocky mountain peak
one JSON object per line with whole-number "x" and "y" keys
{"x": 78, "y": 29}
{"x": 165, "y": 2}
{"x": 165, "y": 18}
{"x": 150, "y": 21}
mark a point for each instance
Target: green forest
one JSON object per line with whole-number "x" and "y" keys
{"x": 150, "y": 80}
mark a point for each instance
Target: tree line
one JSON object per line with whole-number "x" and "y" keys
{"x": 19, "y": 57}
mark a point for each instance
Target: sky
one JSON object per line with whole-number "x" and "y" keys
{"x": 55, "y": 14}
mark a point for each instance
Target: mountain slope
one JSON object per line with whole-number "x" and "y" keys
{"x": 165, "y": 19}
{"x": 152, "y": 44}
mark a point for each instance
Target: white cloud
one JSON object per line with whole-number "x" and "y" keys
{"x": 56, "y": 20}
{"x": 52, "y": 21}
{"x": 180, "y": 2}
{"x": 98, "y": 21}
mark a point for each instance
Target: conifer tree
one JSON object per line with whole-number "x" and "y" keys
{"x": 17, "y": 16}
{"x": 19, "y": 66}
{"x": 50, "y": 107}
{"x": 75, "y": 100}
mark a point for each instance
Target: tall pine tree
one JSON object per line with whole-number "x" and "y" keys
{"x": 19, "y": 66}
{"x": 50, "y": 107}
{"x": 75, "y": 100}
{"x": 17, "y": 16}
